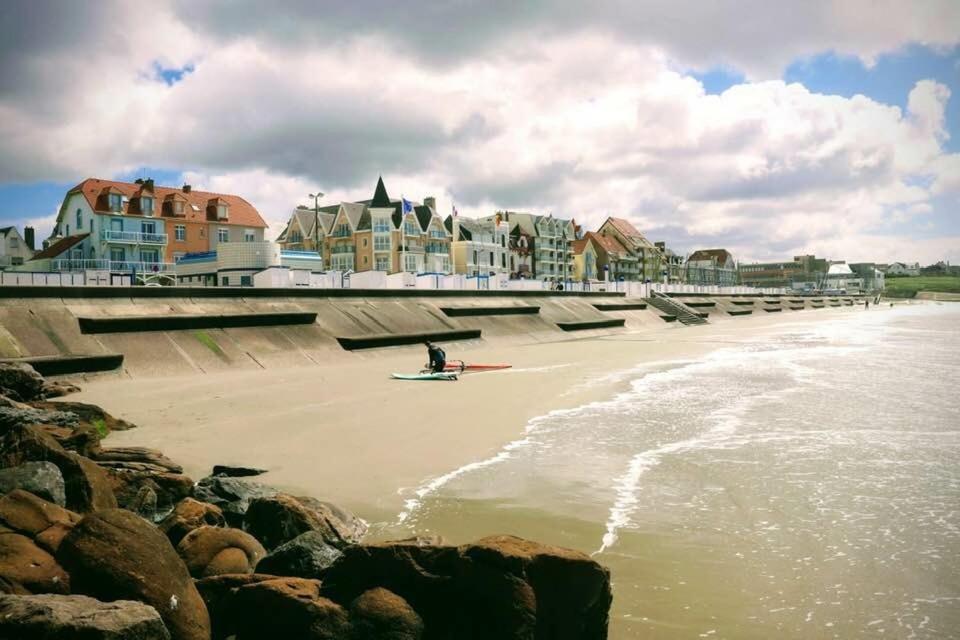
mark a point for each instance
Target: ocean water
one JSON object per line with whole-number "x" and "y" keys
{"x": 802, "y": 482}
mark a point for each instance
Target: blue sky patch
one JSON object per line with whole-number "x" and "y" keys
{"x": 171, "y": 76}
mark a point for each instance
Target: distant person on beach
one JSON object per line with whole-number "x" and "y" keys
{"x": 866, "y": 304}
{"x": 438, "y": 359}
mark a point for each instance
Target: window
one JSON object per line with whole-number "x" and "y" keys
{"x": 411, "y": 228}
{"x": 249, "y": 235}
{"x": 221, "y": 211}
{"x": 503, "y": 260}
{"x": 410, "y": 263}
{"x": 178, "y": 207}
{"x": 225, "y": 281}
{"x": 223, "y": 235}
{"x": 116, "y": 202}
{"x": 381, "y": 242}
{"x": 381, "y": 225}
{"x": 474, "y": 258}
{"x": 382, "y": 263}
{"x": 246, "y": 281}
{"x": 296, "y": 237}
{"x": 148, "y": 227}
{"x": 79, "y": 219}
{"x": 68, "y": 230}
{"x": 491, "y": 259}
{"x": 16, "y": 261}
{"x": 150, "y": 256}
{"x": 117, "y": 254}
{"x": 365, "y": 260}
{"x": 14, "y": 242}
{"x": 364, "y": 244}
{"x": 146, "y": 206}
{"x": 180, "y": 232}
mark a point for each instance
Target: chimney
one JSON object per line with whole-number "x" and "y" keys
{"x": 148, "y": 183}
{"x": 186, "y": 188}
{"x": 28, "y": 237}
{"x": 138, "y": 181}
{"x": 430, "y": 202}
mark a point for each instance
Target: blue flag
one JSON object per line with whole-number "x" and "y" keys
{"x": 407, "y": 205}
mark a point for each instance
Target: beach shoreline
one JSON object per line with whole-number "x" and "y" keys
{"x": 346, "y": 432}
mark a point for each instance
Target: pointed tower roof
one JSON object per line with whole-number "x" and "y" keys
{"x": 380, "y": 197}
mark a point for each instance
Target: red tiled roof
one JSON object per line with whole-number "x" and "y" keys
{"x": 59, "y": 246}
{"x": 721, "y": 256}
{"x": 625, "y": 227}
{"x": 241, "y": 212}
{"x": 608, "y": 243}
{"x": 579, "y": 246}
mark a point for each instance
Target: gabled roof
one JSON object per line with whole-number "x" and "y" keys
{"x": 357, "y": 214}
{"x": 579, "y": 246}
{"x": 608, "y": 244}
{"x": 720, "y": 256}
{"x": 5, "y": 230}
{"x": 625, "y": 227}
{"x": 59, "y": 246}
{"x": 380, "y": 197}
{"x": 241, "y": 212}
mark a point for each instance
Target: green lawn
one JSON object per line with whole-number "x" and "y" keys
{"x": 906, "y": 287}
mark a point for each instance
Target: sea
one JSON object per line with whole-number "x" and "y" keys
{"x": 803, "y": 481}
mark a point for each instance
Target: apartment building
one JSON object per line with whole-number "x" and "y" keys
{"x": 539, "y": 246}
{"x": 479, "y": 247}
{"x": 613, "y": 261}
{"x": 141, "y": 227}
{"x": 803, "y": 272}
{"x": 650, "y": 259}
{"x": 14, "y": 248}
{"x": 711, "y": 267}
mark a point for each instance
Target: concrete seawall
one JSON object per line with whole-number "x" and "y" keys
{"x": 45, "y": 322}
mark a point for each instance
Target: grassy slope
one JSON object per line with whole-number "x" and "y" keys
{"x": 908, "y": 287}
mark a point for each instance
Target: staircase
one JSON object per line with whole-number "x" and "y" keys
{"x": 684, "y": 314}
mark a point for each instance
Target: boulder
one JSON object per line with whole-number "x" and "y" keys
{"x": 26, "y": 565}
{"x": 31, "y": 515}
{"x": 89, "y": 414}
{"x": 81, "y": 439}
{"x": 56, "y": 388}
{"x": 218, "y": 594}
{"x": 128, "y": 483}
{"x": 40, "y": 478}
{"x": 287, "y": 608}
{"x": 20, "y": 381}
{"x": 233, "y": 496}
{"x": 228, "y": 471}
{"x": 277, "y": 519}
{"x": 212, "y": 551}
{"x": 500, "y": 587}
{"x": 306, "y": 556}
{"x": 10, "y": 416}
{"x": 116, "y": 555}
{"x": 187, "y": 515}
{"x": 86, "y": 485}
{"x": 42, "y": 617}
{"x": 144, "y": 504}
{"x": 136, "y": 458}
{"x": 378, "y": 614}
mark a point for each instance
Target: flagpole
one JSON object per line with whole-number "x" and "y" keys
{"x": 403, "y": 235}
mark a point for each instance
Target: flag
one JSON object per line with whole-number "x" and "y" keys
{"x": 406, "y": 205}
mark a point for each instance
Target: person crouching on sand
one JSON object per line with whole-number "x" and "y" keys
{"x": 438, "y": 359}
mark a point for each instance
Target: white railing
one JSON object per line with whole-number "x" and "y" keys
{"x": 114, "y": 266}
{"x": 133, "y": 237}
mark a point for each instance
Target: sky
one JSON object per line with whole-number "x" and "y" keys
{"x": 772, "y": 129}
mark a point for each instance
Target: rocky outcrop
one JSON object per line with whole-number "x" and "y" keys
{"x": 167, "y": 488}
{"x": 44, "y": 522}
{"x": 218, "y": 593}
{"x": 306, "y": 556}
{"x": 277, "y": 519}
{"x": 19, "y": 381}
{"x": 135, "y": 459}
{"x": 228, "y": 471}
{"x": 89, "y": 414}
{"x": 42, "y": 617}
{"x": 86, "y": 485}
{"x": 231, "y": 495}
{"x": 116, "y": 555}
{"x": 296, "y": 611}
{"x": 40, "y": 478}
{"x": 189, "y": 514}
{"x": 29, "y": 568}
{"x": 214, "y": 551}
{"x": 500, "y": 587}
{"x": 57, "y": 388}
{"x": 378, "y": 614}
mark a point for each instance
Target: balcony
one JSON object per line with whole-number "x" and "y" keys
{"x": 342, "y": 248}
{"x": 125, "y": 266}
{"x": 132, "y": 237}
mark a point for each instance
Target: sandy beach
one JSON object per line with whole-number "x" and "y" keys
{"x": 348, "y": 433}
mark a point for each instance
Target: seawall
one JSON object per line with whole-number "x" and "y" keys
{"x": 163, "y": 332}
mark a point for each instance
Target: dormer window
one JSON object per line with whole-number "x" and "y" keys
{"x": 218, "y": 209}
{"x": 222, "y": 211}
{"x": 116, "y": 202}
{"x": 146, "y": 205}
{"x": 178, "y": 207}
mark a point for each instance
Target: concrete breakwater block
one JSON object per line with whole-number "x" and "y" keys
{"x": 375, "y": 341}
{"x": 744, "y": 312}
{"x": 62, "y": 365}
{"x": 701, "y": 304}
{"x": 456, "y": 312}
{"x": 626, "y": 306}
{"x": 773, "y": 309}
{"x": 128, "y": 324}
{"x": 591, "y": 324}
{"x": 743, "y": 302}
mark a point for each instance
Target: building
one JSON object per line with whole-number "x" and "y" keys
{"x": 15, "y": 249}
{"x": 841, "y": 278}
{"x": 539, "y": 246}
{"x": 903, "y": 269}
{"x": 672, "y": 264}
{"x": 714, "y": 267}
{"x": 613, "y": 260}
{"x": 585, "y": 259}
{"x": 238, "y": 264}
{"x": 803, "y": 272}
{"x": 142, "y": 228}
{"x": 873, "y": 278}
{"x": 479, "y": 247}
{"x": 650, "y": 259}
{"x": 373, "y": 235}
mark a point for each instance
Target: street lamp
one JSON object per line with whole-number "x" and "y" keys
{"x": 316, "y": 220}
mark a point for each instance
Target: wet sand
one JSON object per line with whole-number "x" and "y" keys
{"x": 348, "y": 433}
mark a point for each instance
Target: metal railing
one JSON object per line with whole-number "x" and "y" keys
{"x": 342, "y": 248}
{"x": 133, "y": 237}
{"x": 121, "y": 266}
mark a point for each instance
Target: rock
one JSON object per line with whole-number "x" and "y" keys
{"x": 149, "y": 459}
{"x": 145, "y": 504}
{"x": 231, "y": 495}
{"x": 381, "y": 615}
{"x": 277, "y": 519}
{"x": 116, "y": 555}
{"x": 31, "y": 515}
{"x": 19, "y": 381}
{"x": 11, "y": 416}
{"x": 306, "y": 556}
{"x": 56, "y": 389}
{"x": 25, "y": 564}
{"x": 287, "y": 608}
{"x": 86, "y": 485}
{"x": 212, "y": 551}
{"x": 218, "y": 594}
{"x": 500, "y": 587}
{"x": 188, "y": 515}
{"x": 236, "y": 472}
{"x": 40, "y": 478}
{"x": 42, "y": 617}
{"x": 81, "y": 439}
{"x": 127, "y": 484}
{"x": 89, "y": 414}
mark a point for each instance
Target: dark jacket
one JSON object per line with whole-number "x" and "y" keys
{"x": 438, "y": 359}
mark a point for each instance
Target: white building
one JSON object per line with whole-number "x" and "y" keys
{"x": 14, "y": 249}
{"x": 478, "y": 247}
{"x": 237, "y": 264}
{"x": 903, "y": 269}
{"x": 841, "y": 278}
